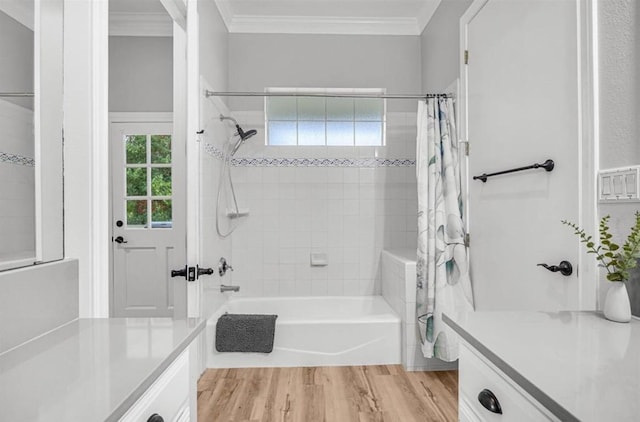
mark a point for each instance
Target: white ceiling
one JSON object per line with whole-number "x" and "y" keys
{"x": 388, "y": 17}
{"x": 369, "y": 17}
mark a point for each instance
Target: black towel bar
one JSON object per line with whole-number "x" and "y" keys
{"x": 547, "y": 165}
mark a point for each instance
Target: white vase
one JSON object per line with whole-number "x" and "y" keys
{"x": 616, "y": 305}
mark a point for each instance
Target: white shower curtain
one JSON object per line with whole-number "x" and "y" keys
{"x": 443, "y": 283}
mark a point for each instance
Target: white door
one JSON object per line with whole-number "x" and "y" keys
{"x": 523, "y": 107}
{"x": 148, "y": 220}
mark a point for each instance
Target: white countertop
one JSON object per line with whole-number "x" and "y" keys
{"x": 577, "y": 364}
{"x": 90, "y": 369}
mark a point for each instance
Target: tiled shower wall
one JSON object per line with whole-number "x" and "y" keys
{"x": 17, "y": 198}
{"x": 348, "y": 210}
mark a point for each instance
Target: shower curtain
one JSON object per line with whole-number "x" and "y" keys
{"x": 443, "y": 283}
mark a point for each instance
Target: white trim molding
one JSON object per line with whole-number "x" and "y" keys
{"x": 427, "y": 13}
{"x": 337, "y": 25}
{"x": 140, "y": 24}
{"x": 250, "y": 24}
{"x": 100, "y": 198}
{"x": 136, "y": 117}
{"x": 20, "y": 10}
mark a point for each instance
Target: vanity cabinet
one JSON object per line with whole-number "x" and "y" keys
{"x": 168, "y": 398}
{"x": 481, "y": 382}
{"x": 105, "y": 370}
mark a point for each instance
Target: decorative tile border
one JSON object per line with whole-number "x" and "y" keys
{"x": 213, "y": 151}
{"x": 311, "y": 162}
{"x": 322, "y": 162}
{"x": 5, "y": 157}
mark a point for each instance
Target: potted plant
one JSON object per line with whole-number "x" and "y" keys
{"x": 617, "y": 261}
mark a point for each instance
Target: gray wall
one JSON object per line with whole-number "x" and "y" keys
{"x": 214, "y": 45}
{"x": 619, "y": 48}
{"x": 440, "y": 44}
{"x": 141, "y": 74}
{"x": 257, "y": 61}
{"x": 16, "y": 65}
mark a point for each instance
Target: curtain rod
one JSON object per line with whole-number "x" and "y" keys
{"x": 319, "y": 94}
{"x": 16, "y": 94}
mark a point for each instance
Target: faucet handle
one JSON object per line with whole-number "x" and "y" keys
{"x": 223, "y": 267}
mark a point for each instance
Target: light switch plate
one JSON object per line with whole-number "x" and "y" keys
{"x": 619, "y": 184}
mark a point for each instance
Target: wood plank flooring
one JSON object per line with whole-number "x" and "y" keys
{"x": 384, "y": 393}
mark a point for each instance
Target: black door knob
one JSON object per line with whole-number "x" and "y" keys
{"x": 155, "y": 418}
{"x": 489, "y": 401}
{"x": 564, "y": 267}
{"x": 120, "y": 239}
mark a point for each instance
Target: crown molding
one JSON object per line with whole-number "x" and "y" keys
{"x": 226, "y": 12}
{"x": 426, "y": 13}
{"x": 20, "y": 11}
{"x": 250, "y": 24}
{"x": 140, "y": 25}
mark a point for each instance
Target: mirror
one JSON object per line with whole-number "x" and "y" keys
{"x": 31, "y": 35}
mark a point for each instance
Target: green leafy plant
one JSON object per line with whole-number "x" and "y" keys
{"x": 616, "y": 261}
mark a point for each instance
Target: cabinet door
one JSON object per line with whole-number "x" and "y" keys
{"x": 168, "y": 396}
{"x": 476, "y": 375}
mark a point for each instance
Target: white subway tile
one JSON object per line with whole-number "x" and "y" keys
{"x": 287, "y": 272}
{"x": 351, "y": 191}
{"x": 367, "y": 175}
{"x": 287, "y": 255}
{"x": 334, "y": 175}
{"x": 303, "y": 287}
{"x": 319, "y": 287}
{"x": 319, "y": 273}
{"x": 335, "y": 287}
{"x": 351, "y": 287}
{"x": 271, "y": 288}
{"x": 335, "y": 191}
{"x": 351, "y": 175}
{"x": 287, "y": 287}
{"x": 270, "y": 272}
{"x": 351, "y": 207}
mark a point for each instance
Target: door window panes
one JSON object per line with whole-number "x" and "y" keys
{"x": 161, "y": 214}
{"x": 148, "y": 172}
{"x": 137, "y": 213}
{"x": 136, "y": 149}
{"x": 161, "y": 181}
{"x": 136, "y": 181}
{"x": 161, "y": 149}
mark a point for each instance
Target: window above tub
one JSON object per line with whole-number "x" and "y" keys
{"x": 325, "y": 121}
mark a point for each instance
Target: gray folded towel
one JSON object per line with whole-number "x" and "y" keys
{"x": 245, "y": 333}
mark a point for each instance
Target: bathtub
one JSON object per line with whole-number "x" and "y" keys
{"x": 316, "y": 331}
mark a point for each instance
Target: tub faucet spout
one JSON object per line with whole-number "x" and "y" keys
{"x": 224, "y": 288}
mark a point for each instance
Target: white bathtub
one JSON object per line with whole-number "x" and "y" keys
{"x": 316, "y": 331}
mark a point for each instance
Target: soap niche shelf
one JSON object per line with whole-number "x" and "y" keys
{"x": 619, "y": 185}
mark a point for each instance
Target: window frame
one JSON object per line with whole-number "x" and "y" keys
{"x": 298, "y": 91}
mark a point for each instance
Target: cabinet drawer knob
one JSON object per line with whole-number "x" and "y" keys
{"x": 155, "y": 418}
{"x": 489, "y": 401}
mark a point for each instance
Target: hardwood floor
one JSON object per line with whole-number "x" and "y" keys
{"x": 332, "y": 394}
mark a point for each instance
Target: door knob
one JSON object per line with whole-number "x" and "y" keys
{"x": 564, "y": 267}
{"x": 120, "y": 239}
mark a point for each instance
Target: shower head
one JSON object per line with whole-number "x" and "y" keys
{"x": 245, "y": 135}
{"x": 241, "y": 133}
